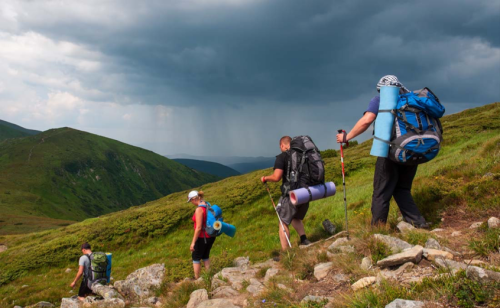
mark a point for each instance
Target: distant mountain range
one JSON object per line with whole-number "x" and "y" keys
{"x": 208, "y": 167}
{"x": 72, "y": 175}
{"x": 9, "y": 130}
{"x": 241, "y": 164}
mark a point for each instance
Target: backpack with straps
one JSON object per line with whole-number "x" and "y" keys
{"x": 96, "y": 272}
{"x": 213, "y": 213}
{"x": 417, "y": 131}
{"x": 305, "y": 166}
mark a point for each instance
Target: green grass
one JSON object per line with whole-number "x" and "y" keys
{"x": 67, "y": 174}
{"x": 160, "y": 231}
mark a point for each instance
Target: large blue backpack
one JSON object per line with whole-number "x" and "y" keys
{"x": 417, "y": 131}
{"x": 213, "y": 215}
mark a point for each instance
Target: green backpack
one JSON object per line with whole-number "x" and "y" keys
{"x": 97, "y": 270}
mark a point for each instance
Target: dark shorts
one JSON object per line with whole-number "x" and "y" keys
{"x": 84, "y": 289}
{"x": 202, "y": 249}
{"x": 287, "y": 211}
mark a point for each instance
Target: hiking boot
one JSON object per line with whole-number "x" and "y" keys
{"x": 305, "y": 242}
{"x": 329, "y": 227}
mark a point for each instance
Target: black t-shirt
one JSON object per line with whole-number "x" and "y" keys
{"x": 282, "y": 163}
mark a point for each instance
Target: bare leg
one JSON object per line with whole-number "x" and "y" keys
{"x": 197, "y": 270}
{"x": 284, "y": 242}
{"x": 207, "y": 264}
{"x": 298, "y": 226}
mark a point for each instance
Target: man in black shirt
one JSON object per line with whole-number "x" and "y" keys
{"x": 288, "y": 213}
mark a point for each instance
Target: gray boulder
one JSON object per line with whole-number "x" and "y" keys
{"x": 403, "y": 303}
{"x": 403, "y": 227}
{"x": 140, "y": 284}
{"x": 197, "y": 297}
{"x": 42, "y": 305}
{"x": 411, "y": 255}
{"x": 314, "y": 298}
{"x": 432, "y": 244}
{"x": 339, "y": 242}
{"x": 225, "y": 292}
{"x": 107, "y": 292}
{"x": 71, "y": 302}
{"x": 450, "y": 265}
{"x": 256, "y": 287}
{"x": 217, "y": 303}
{"x": 106, "y": 303}
{"x": 366, "y": 263}
{"x": 493, "y": 223}
{"x": 395, "y": 244}
{"x": 321, "y": 270}
{"x": 363, "y": 283}
{"x": 236, "y": 276}
{"x": 482, "y": 275}
{"x": 270, "y": 273}
{"x": 242, "y": 262}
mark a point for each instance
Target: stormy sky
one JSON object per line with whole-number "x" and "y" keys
{"x": 230, "y": 77}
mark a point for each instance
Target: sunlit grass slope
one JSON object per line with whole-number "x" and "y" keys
{"x": 72, "y": 175}
{"x": 466, "y": 172}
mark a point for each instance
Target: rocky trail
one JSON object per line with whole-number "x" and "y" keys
{"x": 336, "y": 268}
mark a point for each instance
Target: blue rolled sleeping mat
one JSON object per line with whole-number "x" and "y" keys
{"x": 383, "y": 124}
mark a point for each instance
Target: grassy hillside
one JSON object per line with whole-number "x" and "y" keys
{"x": 9, "y": 130}
{"x": 208, "y": 167}
{"x": 465, "y": 174}
{"x": 72, "y": 175}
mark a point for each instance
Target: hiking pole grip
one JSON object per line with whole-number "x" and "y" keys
{"x": 341, "y": 131}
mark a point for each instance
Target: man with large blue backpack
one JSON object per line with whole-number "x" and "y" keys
{"x": 416, "y": 138}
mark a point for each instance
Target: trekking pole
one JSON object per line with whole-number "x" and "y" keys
{"x": 281, "y": 223}
{"x": 341, "y": 131}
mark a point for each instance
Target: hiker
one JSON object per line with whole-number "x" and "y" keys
{"x": 83, "y": 264}
{"x": 390, "y": 179}
{"x": 202, "y": 242}
{"x": 288, "y": 213}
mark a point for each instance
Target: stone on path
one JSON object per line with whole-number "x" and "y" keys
{"x": 141, "y": 283}
{"x": 476, "y": 225}
{"x": 432, "y": 244}
{"x": 339, "y": 242}
{"x": 236, "y": 276}
{"x": 403, "y": 303}
{"x": 451, "y": 265}
{"x": 241, "y": 262}
{"x": 224, "y": 292}
{"x": 482, "y": 275}
{"x": 403, "y": 227}
{"x": 493, "y": 223}
{"x": 106, "y": 292}
{"x": 395, "y": 244}
{"x": 411, "y": 255}
{"x": 197, "y": 297}
{"x": 341, "y": 278}
{"x": 321, "y": 270}
{"x": 315, "y": 298}
{"x": 432, "y": 254}
{"x": 41, "y": 305}
{"x": 366, "y": 263}
{"x": 217, "y": 303}
{"x": 363, "y": 283}
{"x": 270, "y": 273}
{"x": 437, "y": 230}
{"x": 71, "y": 302}
{"x": 456, "y": 233}
{"x": 256, "y": 287}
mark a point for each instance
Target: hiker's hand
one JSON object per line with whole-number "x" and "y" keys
{"x": 341, "y": 138}
{"x": 263, "y": 180}
{"x": 191, "y": 247}
{"x": 72, "y": 285}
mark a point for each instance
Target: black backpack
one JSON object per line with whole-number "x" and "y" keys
{"x": 305, "y": 166}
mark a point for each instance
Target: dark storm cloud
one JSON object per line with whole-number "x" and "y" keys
{"x": 302, "y": 52}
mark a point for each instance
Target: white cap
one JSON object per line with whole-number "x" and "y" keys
{"x": 192, "y": 195}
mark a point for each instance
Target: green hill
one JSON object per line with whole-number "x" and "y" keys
{"x": 208, "y": 167}
{"x": 73, "y": 175}
{"x": 9, "y": 130}
{"x": 465, "y": 175}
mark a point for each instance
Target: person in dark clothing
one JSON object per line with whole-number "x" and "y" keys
{"x": 83, "y": 266}
{"x": 390, "y": 179}
{"x": 288, "y": 213}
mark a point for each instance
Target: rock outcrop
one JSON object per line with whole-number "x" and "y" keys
{"x": 140, "y": 284}
{"x": 197, "y": 297}
{"x": 411, "y": 255}
{"x": 403, "y": 303}
{"x": 482, "y": 275}
{"x": 321, "y": 270}
{"x": 395, "y": 244}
